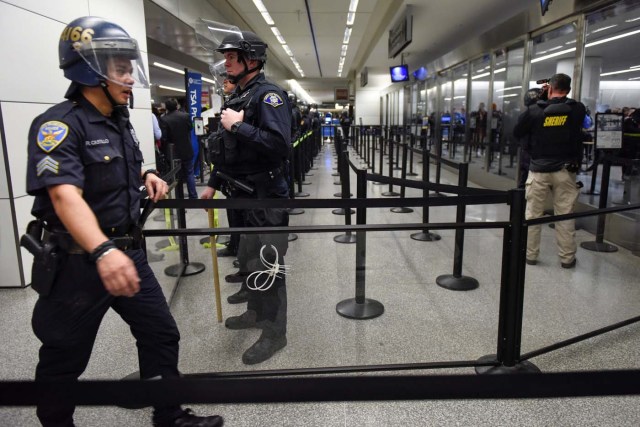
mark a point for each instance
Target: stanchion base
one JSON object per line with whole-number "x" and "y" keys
{"x": 339, "y": 194}
{"x": 295, "y": 211}
{"x": 425, "y": 237}
{"x": 135, "y": 376}
{"x": 159, "y": 217}
{"x": 186, "y": 270}
{"x": 306, "y": 183}
{"x": 591, "y": 193}
{"x": 519, "y": 368}
{"x": 292, "y": 237}
{"x": 390, "y": 194}
{"x": 161, "y": 244}
{"x": 350, "y": 309}
{"x": 379, "y": 183}
{"x": 598, "y": 247}
{"x": 462, "y": 283}
{"x": 335, "y": 174}
{"x": 301, "y": 194}
{"x": 412, "y": 174}
{"x": 401, "y": 210}
{"x": 342, "y": 211}
{"x": 345, "y": 238}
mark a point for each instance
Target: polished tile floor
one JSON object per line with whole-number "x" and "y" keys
{"x": 422, "y": 321}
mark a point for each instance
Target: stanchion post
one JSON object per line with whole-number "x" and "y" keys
{"x": 185, "y": 268}
{"x": 456, "y": 281}
{"x": 403, "y": 188}
{"x": 599, "y": 245}
{"x": 360, "y": 307}
{"x": 348, "y": 237}
{"x": 425, "y": 235}
{"x": 511, "y": 304}
{"x": 390, "y": 193}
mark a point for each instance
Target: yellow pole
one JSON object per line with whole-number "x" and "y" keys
{"x": 214, "y": 258}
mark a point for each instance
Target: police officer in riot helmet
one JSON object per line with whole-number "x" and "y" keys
{"x": 553, "y": 125}
{"x": 248, "y": 155}
{"x": 84, "y": 170}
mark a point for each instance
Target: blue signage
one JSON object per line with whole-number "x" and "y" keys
{"x": 194, "y": 102}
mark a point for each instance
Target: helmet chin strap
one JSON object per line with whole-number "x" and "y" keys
{"x": 120, "y": 108}
{"x": 236, "y": 79}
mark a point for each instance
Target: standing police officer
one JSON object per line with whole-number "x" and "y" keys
{"x": 248, "y": 154}
{"x": 83, "y": 168}
{"x": 554, "y": 124}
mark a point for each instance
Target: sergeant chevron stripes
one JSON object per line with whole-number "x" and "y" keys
{"x": 48, "y": 164}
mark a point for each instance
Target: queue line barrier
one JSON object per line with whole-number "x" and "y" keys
{"x": 245, "y": 387}
{"x": 506, "y": 360}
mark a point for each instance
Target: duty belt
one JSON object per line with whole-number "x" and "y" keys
{"x": 123, "y": 241}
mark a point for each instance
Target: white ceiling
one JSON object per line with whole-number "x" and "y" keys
{"x": 438, "y": 27}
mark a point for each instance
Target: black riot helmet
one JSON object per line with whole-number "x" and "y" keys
{"x": 247, "y": 43}
{"x": 532, "y": 96}
{"x": 293, "y": 99}
{"x": 249, "y": 46}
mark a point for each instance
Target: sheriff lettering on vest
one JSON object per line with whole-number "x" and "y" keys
{"x": 554, "y": 129}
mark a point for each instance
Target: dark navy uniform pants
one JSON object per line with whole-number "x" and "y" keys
{"x": 67, "y": 322}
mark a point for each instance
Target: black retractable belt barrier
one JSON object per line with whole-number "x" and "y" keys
{"x": 425, "y": 235}
{"x": 456, "y": 281}
{"x": 185, "y": 268}
{"x": 348, "y": 237}
{"x": 292, "y": 192}
{"x": 360, "y": 307}
{"x": 390, "y": 193}
{"x": 412, "y": 139}
{"x": 382, "y": 140}
{"x": 399, "y": 140}
{"x": 300, "y": 163}
{"x": 403, "y": 188}
{"x": 514, "y": 249}
{"x": 345, "y": 193}
{"x": 599, "y": 245}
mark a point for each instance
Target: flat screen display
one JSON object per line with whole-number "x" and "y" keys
{"x": 399, "y": 73}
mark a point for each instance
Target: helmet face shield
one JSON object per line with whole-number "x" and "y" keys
{"x": 117, "y": 60}
{"x": 212, "y": 34}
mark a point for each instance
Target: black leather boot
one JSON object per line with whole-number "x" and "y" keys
{"x": 266, "y": 346}
{"x": 245, "y": 321}
{"x": 239, "y": 297}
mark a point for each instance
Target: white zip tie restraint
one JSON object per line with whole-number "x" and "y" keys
{"x": 273, "y": 271}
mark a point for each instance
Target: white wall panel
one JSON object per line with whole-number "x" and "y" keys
{"x": 129, "y": 14}
{"x": 8, "y": 253}
{"x": 60, "y": 10}
{"x": 23, "y": 206}
{"x": 17, "y": 119}
{"x": 30, "y": 57}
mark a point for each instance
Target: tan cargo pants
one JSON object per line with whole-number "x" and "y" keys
{"x": 562, "y": 185}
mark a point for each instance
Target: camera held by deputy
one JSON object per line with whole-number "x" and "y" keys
{"x": 554, "y": 127}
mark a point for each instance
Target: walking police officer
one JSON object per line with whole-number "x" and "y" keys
{"x": 248, "y": 155}
{"x": 84, "y": 169}
{"x": 555, "y": 127}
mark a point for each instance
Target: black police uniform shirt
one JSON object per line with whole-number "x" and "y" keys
{"x": 264, "y": 139}
{"x": 73, "y": 143}
{"x": 551, "y": 151}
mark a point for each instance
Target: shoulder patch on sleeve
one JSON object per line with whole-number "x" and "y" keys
{"x": 273, "y": 99}
{"x": 51, "y": 134}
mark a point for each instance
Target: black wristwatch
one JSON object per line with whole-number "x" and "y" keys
{"x": 147, "y": 172}
{"x": 236, "y": 126}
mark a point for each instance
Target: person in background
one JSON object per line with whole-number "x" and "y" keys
{"x": 554, "y": 126}
{"x": 84, "y": 170}
{"x": 176, "y": 130}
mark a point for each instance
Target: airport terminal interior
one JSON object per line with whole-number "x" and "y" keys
{"x": 462, "y": 79}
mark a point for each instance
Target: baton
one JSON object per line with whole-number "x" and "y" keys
{"x": 214, "y": 259}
